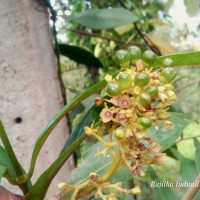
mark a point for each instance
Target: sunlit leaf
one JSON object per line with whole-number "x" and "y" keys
{"x": 180, "y": 59}
{"x": 192, "y": 7}
{"x": 168, "y": 136}
{"x": 104, "y": 18}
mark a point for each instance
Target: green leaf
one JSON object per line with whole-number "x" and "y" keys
{"x": 5, "y": 162}
{"x": 169, "y": 153}
{"x": 79, "y": 55}
{"x": 180, "y": 59}
{"x": 197, "y": 154}
{"x": 98, "y": 164}
{"x": 40, "y": 188}
{"x": 163, "y": 193}
{"x": 3, "y": 171}
{"x": 91, "y": 163}
{"x": 104, "y": 18}
{"x": 79, "y": 129}
{"x": 188, "y": 170}
{"x": 122, "y": 175}
{"x": 168, "y": 136}
{"x": 56, "y": 119}
{"x": 192, "y": 7}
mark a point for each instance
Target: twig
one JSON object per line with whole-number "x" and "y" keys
{"x": 187, "y": 85}
{"x": 100, "y": 36}
{"x": 61, "y": 5}
{"x": 187, "y": 138}
{"x": 146, "y": 39}
{"x": 190, "y": 194}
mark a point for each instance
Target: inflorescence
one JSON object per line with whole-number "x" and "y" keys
{"x": 136, "y": 99}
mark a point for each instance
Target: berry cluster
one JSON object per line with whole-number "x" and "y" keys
{"x": 139, "y": 97}
{"x": 136, "y": 99}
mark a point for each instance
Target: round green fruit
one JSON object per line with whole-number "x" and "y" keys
{"x": 149, "y": 57}
{"x": 144, "y": 122}
{"x": 124, "y": 80}
{"x": 152, "y": 91}
{"x": 135, "y": 53}
{"x": 167, "y": 62}
{"x": 141, "y": 79}
{"x": 113, "y": 88}
{"x": 144, "y": 99}
{"x": 122, "y": 57}
{"x": 167, "y": 74}
{"x": 119, "y": 133}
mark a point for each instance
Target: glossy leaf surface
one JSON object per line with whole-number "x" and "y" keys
{"x": 79, "y": 55}
{"x": 180, "y": 59}
{"x": 168, "y": 136}
{"x": 104, "y": 18}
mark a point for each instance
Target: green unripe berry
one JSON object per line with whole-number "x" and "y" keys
{"x": 169, "y": 86}
{"x": 124, "y": 80}
{"x": 152, "y": 91}
{"x": 144, "y": 122}
{"x": 122, "y": 57}
{"x": 167, "y": 62}
{"x": 149, "y": 57}
{"x": 119, "y": 133}
{"x": 141, "y": 79}
{"x": 113, "y": 88}
{"x": 167, "y": 74}
{"x": 135, "y": 53}
{"x": 144, "y": 99}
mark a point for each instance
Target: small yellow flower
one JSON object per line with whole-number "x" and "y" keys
{"x": 62, "y": 186}
{"x": 136, "y": 90}
{"x": 88, "y": 130}
{"x": 168, "y": 124}
{"x": 136, "y": 190}
{"x": 93, "y": 176}
{"x": 108, "y": 78}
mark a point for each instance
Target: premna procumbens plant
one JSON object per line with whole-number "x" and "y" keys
{"x": 137, "y": 97}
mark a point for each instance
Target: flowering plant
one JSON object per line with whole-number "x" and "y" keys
{"x": 136, "y": 98}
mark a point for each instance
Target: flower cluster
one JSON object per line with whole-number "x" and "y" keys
{"x": 136, "y": 99}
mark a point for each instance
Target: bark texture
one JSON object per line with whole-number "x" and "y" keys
{"x": 30, "y": 93}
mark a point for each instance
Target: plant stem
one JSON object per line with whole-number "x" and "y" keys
{"x": 146, "y": 39}
{"x": 187, "y": 138}
{"x": 190, "y": 194}
{"x": 187, "y": 85}
{"x": 80, "y": 32}
{"x": 107, "y": 175}
{"x": 18, "y": 170}
{"x": 112, "y": 168}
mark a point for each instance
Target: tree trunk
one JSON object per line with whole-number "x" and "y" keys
{"x": 30, "y": 93}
